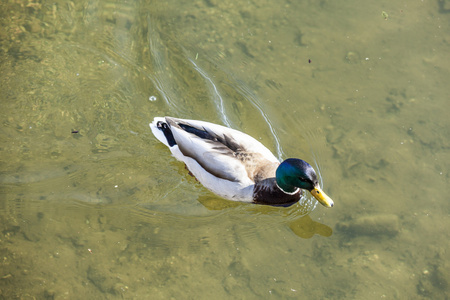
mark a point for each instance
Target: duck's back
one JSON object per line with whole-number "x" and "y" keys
{"x": 226, "y": 161}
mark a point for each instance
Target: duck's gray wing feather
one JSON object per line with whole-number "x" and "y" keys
{"x": 223, "y": 152}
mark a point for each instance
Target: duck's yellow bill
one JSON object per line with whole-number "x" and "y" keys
{"x": 322, "y": 197}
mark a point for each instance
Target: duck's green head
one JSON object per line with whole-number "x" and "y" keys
{"x": 295, "y": 173}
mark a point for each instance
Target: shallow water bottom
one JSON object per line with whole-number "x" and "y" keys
{"x": 92, "y": 206}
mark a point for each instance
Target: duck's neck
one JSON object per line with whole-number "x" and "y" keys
{"x": 287, "y": 188}
{"x": 281, "y": 180}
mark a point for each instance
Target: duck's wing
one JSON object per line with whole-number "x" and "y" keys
{"x": 224, "y": 152}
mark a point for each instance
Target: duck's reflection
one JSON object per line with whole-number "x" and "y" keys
{"x": 305, "y": 227}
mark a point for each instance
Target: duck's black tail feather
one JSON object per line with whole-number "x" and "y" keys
{"x": 167, "y": 133}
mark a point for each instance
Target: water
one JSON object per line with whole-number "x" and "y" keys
{"x": 92, "y": 206}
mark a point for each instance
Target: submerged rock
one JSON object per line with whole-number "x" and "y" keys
{"x": 384, "y": 224}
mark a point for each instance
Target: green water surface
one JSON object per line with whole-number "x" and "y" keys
{"x": 92, "y": 206}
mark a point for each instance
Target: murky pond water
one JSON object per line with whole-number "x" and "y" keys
{"x": 93, "y": 206}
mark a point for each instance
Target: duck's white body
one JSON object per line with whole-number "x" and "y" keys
{"x": 224, "y": 160}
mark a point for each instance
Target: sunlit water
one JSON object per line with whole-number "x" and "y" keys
{"x": 93, "y": 206}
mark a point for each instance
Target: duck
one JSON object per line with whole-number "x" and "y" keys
{"x": 235, "y": 166}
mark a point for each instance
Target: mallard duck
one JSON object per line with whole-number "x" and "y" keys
{"x": 235, "y": 166}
